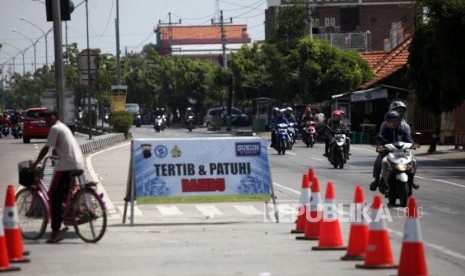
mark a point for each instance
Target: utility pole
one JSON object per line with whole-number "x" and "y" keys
{"x": 170, "y": 30}
{"x": 309, "y": 19}
{"x": 118, "y": 52}
{"x": 221, "y": 23}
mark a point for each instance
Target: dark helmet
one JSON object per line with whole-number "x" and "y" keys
{"x": 337, "y": 115}
{"x": 398, "y": 106}
{"x": 392, "y": 115}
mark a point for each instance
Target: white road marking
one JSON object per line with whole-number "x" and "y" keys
{"x": 208, "y": 210}
{"x": 442, "y": 181}
{"x": 441, "y": 249}
{"x": 169, "y": 210}
{"x": 248, "y": 209}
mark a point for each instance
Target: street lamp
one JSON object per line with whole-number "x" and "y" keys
{"x": 45, "y": 34}
{"x": 21, "y": 51}
{"x": 12, "y": 58}
{"x": 33, "y": 43}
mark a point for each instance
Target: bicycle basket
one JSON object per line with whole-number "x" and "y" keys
{"x": 26, "y": 177}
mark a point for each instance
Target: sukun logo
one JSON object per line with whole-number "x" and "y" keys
{"x": 248, "y": 149}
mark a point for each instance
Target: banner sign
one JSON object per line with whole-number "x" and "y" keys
{"x": 200, "y": 170}
{"x": 118, "y": 97}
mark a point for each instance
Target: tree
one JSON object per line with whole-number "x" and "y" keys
{"x": 291, "y": 26}
{"x": 435, "y": 69}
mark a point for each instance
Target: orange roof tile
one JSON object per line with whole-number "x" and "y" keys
{"x": 388, "y": 63}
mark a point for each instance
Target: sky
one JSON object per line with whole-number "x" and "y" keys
{"x": 137, "y": 21}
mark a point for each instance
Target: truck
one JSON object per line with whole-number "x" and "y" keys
{"x": 48, "y": 98}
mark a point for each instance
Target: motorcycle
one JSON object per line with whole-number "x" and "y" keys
{"x": 309, "y": 133}
{"x": 282, "y": 138}
{"x": 337, "y": 145}
{"x": 17, "y": 130}
{"x": 6, "y": 130}
{"x": 158, "y": 124}
{"x": 398, "y": 171}
{"x": 291, "y": 130}
{"x": 190, "y": 122}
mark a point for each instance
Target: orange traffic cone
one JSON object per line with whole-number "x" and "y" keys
{"x": 358, "y": 238}
{"x": 314, "y": 214}
{"x": 4, "y": 260}
{"x": 412, "y": 256}
{"x": 378, "y": 253}
{"x": 330, "y": 230}
{"x": 311, "y": 175}
{"x": 304, "y": 200}
{"x": 13, "y": 236}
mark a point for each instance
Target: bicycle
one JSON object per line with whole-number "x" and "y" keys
{"x": 84, "y": 208}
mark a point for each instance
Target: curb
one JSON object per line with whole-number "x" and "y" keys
{"x": 101, "y": 142}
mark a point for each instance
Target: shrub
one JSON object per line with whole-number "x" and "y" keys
{"x": 121, "y": 121}
{"x": 85, "y": 118}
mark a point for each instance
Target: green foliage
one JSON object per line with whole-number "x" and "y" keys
{"x": 435, "y": 69}
{"x": 121, "y": 121}
{"x": 93, "y": 118}
{"x": 291, "y": 25}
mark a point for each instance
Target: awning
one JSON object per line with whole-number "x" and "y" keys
{"x": 363, "y": 95}
{"x": 369, "y": 94}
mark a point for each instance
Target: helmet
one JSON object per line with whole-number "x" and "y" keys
{"x": 281, "y": 112}
{"x": 289, "y": 109}
{"x": 392, "y": 115}
{"x": 337, "y": 115}
{"x": 275, "y": 111}
{"x": 398, "y": 106}
{"x": 188, "y": 109}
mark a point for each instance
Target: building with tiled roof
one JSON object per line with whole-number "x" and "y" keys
{"x": 366, "y": 107}
{"x": 200, "y": 41}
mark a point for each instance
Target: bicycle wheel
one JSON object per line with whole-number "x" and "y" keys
{"x": 89, "y": 215}
{"x": 32, "y": 214}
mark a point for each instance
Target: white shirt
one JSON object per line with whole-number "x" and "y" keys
{"x": 62, "y": 139}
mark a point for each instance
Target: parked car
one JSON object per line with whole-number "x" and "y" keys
{"x": 238, "y": 118}
{"x": 34, "y": 126}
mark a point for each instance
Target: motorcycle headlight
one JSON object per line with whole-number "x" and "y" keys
{"x": 401, "y": 167}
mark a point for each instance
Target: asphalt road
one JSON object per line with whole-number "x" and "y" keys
{"x": 239, "y": 238}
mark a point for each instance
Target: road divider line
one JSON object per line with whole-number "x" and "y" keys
{"x": 442, "y": 181}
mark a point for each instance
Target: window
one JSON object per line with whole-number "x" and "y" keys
{"x": 330, "y": 21}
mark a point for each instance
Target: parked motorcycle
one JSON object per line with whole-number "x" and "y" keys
{"x": 337, "y": 145}
{"x": 309, "y": 133}
{"x": 398, "y": 171}
{"x": 282, "y": 138}
{"x": 158, "y": 124}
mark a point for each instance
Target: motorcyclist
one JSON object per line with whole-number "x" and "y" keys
{"x": 280, "y": 119}
{"x": 401, "y": 108}
{"x": 274, "y": 117}
{"x": 307, "y": 116}
{"x": 289, "y": 114}
{"x": 335, "y": 122}
{"x": 394, "y": 132}
{"x": 189, "y": 112}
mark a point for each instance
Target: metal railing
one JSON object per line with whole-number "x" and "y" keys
{"x": 348, "y": 41}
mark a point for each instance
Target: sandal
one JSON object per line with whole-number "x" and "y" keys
{"x": 57, "y": 236}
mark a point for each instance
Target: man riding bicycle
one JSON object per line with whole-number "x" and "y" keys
{"x": 70, "y": 160}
